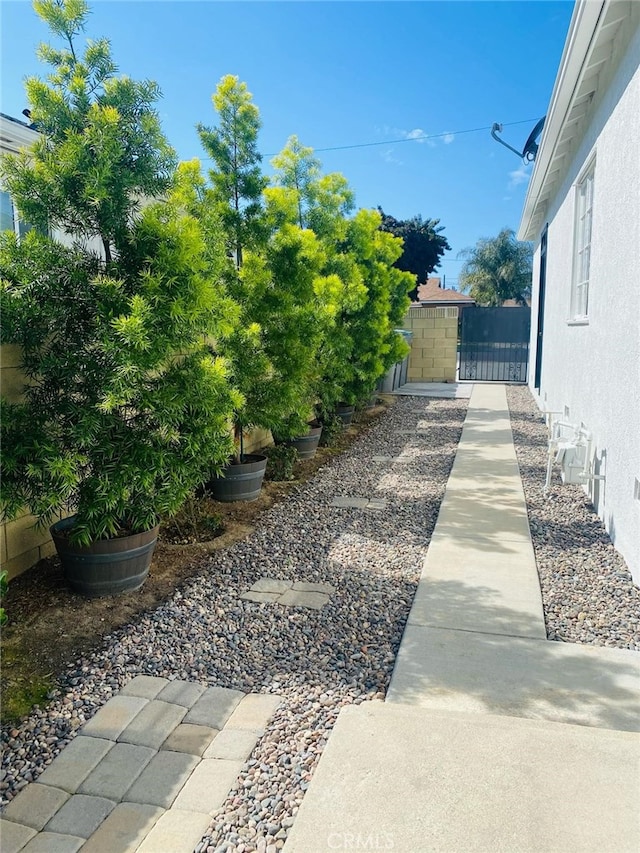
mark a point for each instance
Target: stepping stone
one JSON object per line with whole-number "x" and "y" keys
{"x": 382, "y": 458}
{"x": 52, "y": 842}
{"x": 80, "y": 816}
{"x": 261, "y": 597}
{"x": 153, "y": 725}
{"x": 303, "y": 586}
{"x": 14, "y": 836}
{"x": 299, "y": 598}
{"x": 349, "y": 503}
{"x": 35, "y": 805}
{"x": 377, "y": 503}
{"x": 184, "y": 693}
{"x": 117, "y": 771}
{"x": 124, "y": 830}
{"x": 271, "y": 585}
{"x": 190, "y": 738}
{"x": 162, "y": 779}
{"x": 214, "y": 707}
{"x": 70, "y": 768}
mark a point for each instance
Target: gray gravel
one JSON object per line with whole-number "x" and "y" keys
{"x": 587, "y": 590}
{"x": 318, "y": 661}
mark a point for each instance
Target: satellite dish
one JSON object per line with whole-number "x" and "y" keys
{"x": 528, "y": 153}
{"x": 531, "y": 145}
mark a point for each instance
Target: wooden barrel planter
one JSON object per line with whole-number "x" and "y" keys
{"x": 306, "y": 445}
{"x": 241, "y": 481}
{"x": 345, "y": 413}
{"x": 108, "y": 566}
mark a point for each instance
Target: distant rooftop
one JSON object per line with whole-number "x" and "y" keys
{"x": 433, "y": 291}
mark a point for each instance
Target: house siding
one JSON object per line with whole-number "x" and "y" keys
{"x": 594, "y": 369}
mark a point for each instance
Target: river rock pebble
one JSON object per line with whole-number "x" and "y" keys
{"x": 318, "y": 660}
{"x": 588, "y": 593}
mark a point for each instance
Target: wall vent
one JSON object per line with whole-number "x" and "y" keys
{"x": 636, "y": 489}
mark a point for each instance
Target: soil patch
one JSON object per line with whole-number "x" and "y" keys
{"x": 50, "y": 626}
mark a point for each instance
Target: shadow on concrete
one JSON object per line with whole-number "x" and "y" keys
{"x": 452, "y": 668}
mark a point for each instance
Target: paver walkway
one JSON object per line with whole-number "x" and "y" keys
{"x": 492, "y": 739}
{"x": 145, "y": 774}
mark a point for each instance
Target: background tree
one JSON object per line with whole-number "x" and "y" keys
{"x": 303, "y": 196}
{"x": 125, "y": 411}
{"x": 497, "y": 269}
{"x": 424, "y": 245}
{"x": 375, "y": 345}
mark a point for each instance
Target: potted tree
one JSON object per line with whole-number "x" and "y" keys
{"x": 235, "y": 197}
{"x": 124, "y": 408}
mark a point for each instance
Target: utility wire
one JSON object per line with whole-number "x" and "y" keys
{"x": 409, "y": 138}
{"x": 425, "y": 136}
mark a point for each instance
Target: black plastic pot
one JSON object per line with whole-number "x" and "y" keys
{"x": 345, "y": 413}
{"x": 108, "y": 566}
{"x": 306, "y": 445}
{"x": 242, "y": 481}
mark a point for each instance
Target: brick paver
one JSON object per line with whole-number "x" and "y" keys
{"x": 14, "y": 836}
{"x": 214, "y": 707}
{"x": 69, "y": 770}
{"x": 179, "y": 750}
{"x": 117, "y": 772}
{"x": 153, "y": 725}
{"x": 36, "y": 805}
{"x": 80, "y": 815}
{"x": 162, "y": 779}
{"x": 114, "y": 717}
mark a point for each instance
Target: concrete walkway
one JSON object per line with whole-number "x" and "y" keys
{"x": 492, "y": 739}
{"x": 145, "y": 774}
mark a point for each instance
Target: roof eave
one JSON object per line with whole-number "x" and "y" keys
{"x": 583, "y": 25}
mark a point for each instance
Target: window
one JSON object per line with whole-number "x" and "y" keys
{"x": 582, "y": 251}
{"x": 9, "y": 217}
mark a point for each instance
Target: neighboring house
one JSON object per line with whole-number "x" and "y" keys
{"x": 14, "y": 135}
{"x": 433, "y": 294}
{"x": 583, "y": 211}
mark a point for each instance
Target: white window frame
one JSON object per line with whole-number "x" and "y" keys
{"x": 582, "y": 243}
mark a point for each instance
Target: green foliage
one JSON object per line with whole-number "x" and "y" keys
{"x": 4, "y": 587}
{"x": 497, "y": 269}
{"x": 101, "y": 148}
{"x": 332, "y": 428}
{"x": 375, "y": 344}
{"x": 237, "y": 180}
{"x": 281, "y": 462}
{"x": 126, "y": 410}
{"x": 423, "y": 245}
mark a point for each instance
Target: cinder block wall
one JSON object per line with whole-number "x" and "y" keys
{"x": 22, "y": 543}
{"x": 434, "y": 346}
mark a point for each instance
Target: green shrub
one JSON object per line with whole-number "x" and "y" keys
{"x": 4, "y": 586}
{"x": 281, "y": 462}
{"x": 125, "y": 410}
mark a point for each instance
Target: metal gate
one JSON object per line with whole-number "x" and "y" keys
{"x": 494, "y": 344}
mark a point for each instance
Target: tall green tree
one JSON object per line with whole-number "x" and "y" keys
{"x": 371, "y": 326}
{"x": 125, "y": 410}
{"x": 497, "y": 269}
{"x": 237, "y": 179}
{"x": 101, "y": 148}
{"x": 424, "y": 244}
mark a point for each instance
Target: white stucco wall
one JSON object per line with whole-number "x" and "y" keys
{"x": 594, "y": 369}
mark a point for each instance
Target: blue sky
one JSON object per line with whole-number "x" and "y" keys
{"x": 347, "y": 73}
